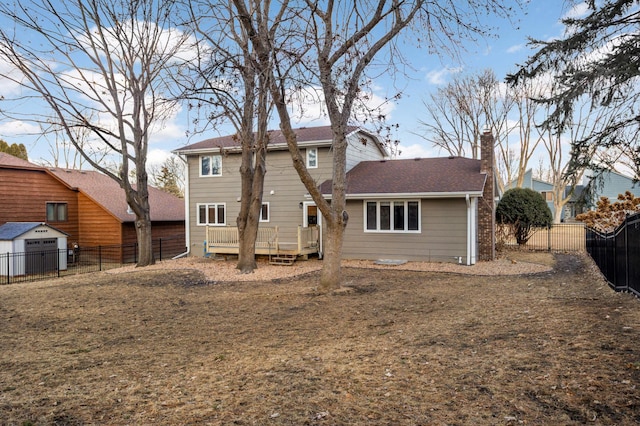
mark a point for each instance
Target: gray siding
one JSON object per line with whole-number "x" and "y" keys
{"x": 281, "y": 178}
{"x": 361, "y": 148}
{"x": 442, "y": 237}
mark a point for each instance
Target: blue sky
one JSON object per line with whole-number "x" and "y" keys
{"x": 501, "y": 53}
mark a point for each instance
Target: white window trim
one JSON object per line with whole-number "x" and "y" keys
{"x": 268, "y": 212}
{"x": 392, "y": 231}
{"x": 210, "y": 156}
{"x": 207, "y": 206}
{"x": 307, "y": 155}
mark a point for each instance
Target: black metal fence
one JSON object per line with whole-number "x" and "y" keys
{"x": 617, "y": 254}
{"x": 557, "y": 237}
{"x": 24, "y": 267}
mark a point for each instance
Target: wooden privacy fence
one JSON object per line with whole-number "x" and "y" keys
{"x": 617, "y": 254}
{"x": 557, "y": 237}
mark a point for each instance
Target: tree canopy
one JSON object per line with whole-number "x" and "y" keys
{"x": 17, "y": 150}
{"x": 597, "y": 59}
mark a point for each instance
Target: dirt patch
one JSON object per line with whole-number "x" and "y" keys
{"x": 399, "y": 347}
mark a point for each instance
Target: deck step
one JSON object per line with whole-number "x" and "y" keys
{"x": 283, "y": 259}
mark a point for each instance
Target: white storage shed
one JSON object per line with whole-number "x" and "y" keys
{"x": 31, "y": 248}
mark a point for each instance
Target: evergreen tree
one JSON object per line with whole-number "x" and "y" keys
{"x": 17, "y": 150}
{"x": 597, "y": 60}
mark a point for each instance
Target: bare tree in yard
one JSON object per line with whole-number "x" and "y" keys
{"x": 229, "y": 87}
{"x": 98, "y": 65}
{"x": 529, "y": 135}
{"x": 457, "y": 114}
{"x": 343, "y": 44}
{"x": 562, "y": 174}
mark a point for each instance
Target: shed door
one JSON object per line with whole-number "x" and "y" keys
{"x": 41, "y": 255}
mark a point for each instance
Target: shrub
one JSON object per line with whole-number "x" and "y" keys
{"x": 523, "y": 209}
{"x": 607, "y": 216}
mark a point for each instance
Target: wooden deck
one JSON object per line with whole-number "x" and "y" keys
{"x": 224, "y": 240}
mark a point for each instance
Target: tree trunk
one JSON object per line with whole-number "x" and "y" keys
{"x": 145, "y": 245}
{"x": 247, "y": 235}
{"x": 331, "y": 275}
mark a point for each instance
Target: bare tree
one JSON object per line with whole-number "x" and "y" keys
{"x": 458, "y": 112}
{"x": 563, "y": 174}
{"x": 98, "y": 65}
{"x": 340, "y": 42}
{"x": 226, "y": 85}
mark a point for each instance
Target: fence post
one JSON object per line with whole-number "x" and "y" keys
{"x": 99, "y": 258}
{"x": 549, "y": 237}
{"x": 8, "y": 268}
{"x": 626, "y": 251}
{"x": 160, "y": 244}
{"x": 58, "y": 261}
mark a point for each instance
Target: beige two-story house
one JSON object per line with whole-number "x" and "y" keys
{"x": 419, "y": 209}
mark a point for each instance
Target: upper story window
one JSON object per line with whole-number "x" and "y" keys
{"x": 312, "y": 158}
{"x": 547, "y": 195}
{"x": 56, "y": 212}
{"x": 212, "y": 214}
{"x": 211, "y": 165}
{"x": 392, "y": 216}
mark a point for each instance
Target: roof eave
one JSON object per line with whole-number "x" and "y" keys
{"x": 421, "y": 195}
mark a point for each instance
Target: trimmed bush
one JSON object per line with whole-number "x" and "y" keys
{"x": 523, "y": 209}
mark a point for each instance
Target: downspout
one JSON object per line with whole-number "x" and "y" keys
{"x": 187, "y": 228}
{"x": 469, "y": 223}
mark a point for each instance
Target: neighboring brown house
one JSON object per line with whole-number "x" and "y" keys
{"x": 87, "y": 205}
{"x": 437, "y": 209}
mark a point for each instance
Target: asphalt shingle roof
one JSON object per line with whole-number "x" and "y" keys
{"x": 443, "y": 175}
{"x": 303, "y": 134}
{"x": 107, "y": 193}
{"x": 10, "y": 160}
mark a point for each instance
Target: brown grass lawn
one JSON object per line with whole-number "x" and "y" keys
{"x": 396, "y": 348}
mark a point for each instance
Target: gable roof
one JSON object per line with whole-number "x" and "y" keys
{"x": 12, "y": 230}
{"x": 9, "y": 160}
{"x": 425, "y": 177}
{"x": 107, "y": 193}
{"x": 321, "y": 135}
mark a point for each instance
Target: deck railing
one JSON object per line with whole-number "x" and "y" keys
{"x": 221, "y": 239}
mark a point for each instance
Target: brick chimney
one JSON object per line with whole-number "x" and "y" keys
{"x": 486, "y": 205}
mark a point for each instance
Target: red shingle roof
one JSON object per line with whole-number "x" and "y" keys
{"x": 437, "y": 176}
{"x": 107, "y": 193}
{"x": 303, "y": 134}
{"x": 10, "y": 160}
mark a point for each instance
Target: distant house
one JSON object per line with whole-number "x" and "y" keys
{"x": 438, "y": 209}
{"x": 610, "y": 184}
{"x": 538, "y": 185}
{"x": 87, "y": 205}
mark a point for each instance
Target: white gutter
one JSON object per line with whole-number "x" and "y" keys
{"x": 187, "y": 227}
{"x": 409, "y": 195}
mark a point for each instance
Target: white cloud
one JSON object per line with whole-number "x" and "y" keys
{"x": 16, "y": 128}
{"x": 156, "y": 157}
{"x": 439, "y": 77}
{"x": 515, "y": 48}
{"x": 416, "y": 151}
{"x": 307, "y": 106}
{"x": 579, "y": 10}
